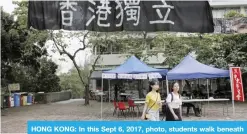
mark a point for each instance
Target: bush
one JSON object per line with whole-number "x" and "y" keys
{"x": 47, "y": 80}
{"x": 71, "y": 81}
{"x": 232, "y": 13}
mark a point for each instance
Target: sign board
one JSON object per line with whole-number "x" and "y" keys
{"x": 14, "y": 87}
{"x": 237, "y": 84}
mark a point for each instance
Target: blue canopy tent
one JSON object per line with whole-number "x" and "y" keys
{"x": 190, "y": 68}
{"x": 133, "y": 68}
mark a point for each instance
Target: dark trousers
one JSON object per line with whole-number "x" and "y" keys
{"x": 170, "y": 117}
{"x": 189, "y": 105}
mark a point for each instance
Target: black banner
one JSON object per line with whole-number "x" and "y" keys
{"x": 119, "y": 15}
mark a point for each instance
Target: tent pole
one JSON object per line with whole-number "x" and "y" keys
{"x": 208, "y": 92}
{"x": 101, "y": 98}
{"x": 167, "y": 86}
{"x": 182, "y": 86}
{"x": 211, "y": 85}
{"x": 231, "y": 79}
{"x": 207, "y": 89}
{"x": 109, "y": 85}
{"x": 129, "y": 85}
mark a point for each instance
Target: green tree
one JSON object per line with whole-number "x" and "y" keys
{"x": 71, "y": 81}
{"x": 10, "y": 52}
{"x": 236, "y": 49}
{"x": 47, "y": 80}
{"x": 224, "y": 50}
{"x": 13, "y": 50}
{"x": 21, "y": 51}
{"x": 61, "y": 45}
{"x": 33, "y": 40}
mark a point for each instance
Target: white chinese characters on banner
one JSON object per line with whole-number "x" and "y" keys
{"x": 108, "y": 76}
{"x": 140, "y": 76}
{"x": 120, "y": 14}
{"x": 163, "y": 18}
{"x": 124, "y": 76}
{"x": 154, "y": 75}
{"x": 132, "y": 9}
{"x": 103, "y": 11}
{"x": 67, "y": 16}
{"x": 91, "y": 10}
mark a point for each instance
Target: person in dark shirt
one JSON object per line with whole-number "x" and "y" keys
{"x": 115, "y": 91}
{"x": 189, "y": 105}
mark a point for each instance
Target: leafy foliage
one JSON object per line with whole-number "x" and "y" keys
{"x": 213, "y": 49}
{"x": 21, "y": 53}
{"x": 233, "y": 13}
{"x": 71, "y": 81}
{"x": 47, "y": 81}
{"x": 62, "y": 46}
{"x": 225, "y": 50}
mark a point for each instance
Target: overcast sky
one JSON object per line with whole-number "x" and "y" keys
{"x": 7, "y": 5}
{"x": 64, "y": 66}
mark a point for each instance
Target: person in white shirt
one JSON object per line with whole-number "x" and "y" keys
{"x": 174, "y": 103}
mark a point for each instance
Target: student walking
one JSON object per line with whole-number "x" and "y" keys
{"x": 152, "y": 103}
{"x": 174, "y": 104}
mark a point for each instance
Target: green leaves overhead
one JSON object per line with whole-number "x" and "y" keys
{"x": 213, "y": 49}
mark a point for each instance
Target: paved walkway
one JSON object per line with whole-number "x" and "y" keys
{"x": 14, "y": 120}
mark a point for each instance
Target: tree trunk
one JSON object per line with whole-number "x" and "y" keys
{"x": 86, "y": 94}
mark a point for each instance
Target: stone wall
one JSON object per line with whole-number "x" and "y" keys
{"x": 52, "y": 97}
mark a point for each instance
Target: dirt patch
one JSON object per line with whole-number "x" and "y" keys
{"x": 14, "y": 120}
